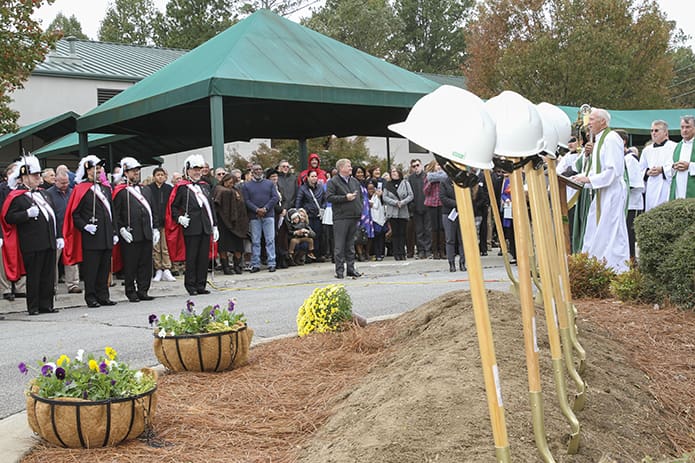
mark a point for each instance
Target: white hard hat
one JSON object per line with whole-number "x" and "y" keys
{"x": 452, "y": 123}
{"x": 519, "y": 126}
{"x": 194, "y": 160}
{"x": 549, "y": 131}
{"x": 561, "y": 120}
{"x": 128, "y": 163}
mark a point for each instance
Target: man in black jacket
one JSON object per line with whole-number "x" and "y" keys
{"x": 29, "y": 226}
{"x": 344, "y": 193}
{"x": 193, "y": 210}
{"x": 160, "y": 191}
{"x": 136, "y": 217}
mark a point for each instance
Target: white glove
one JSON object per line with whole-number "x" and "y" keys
{"x": 33, "y": 211}
{"x": 184, "y": 221}
{"x": 127, "y": 236}
{"x": 0, "y": 242}
{"x": 115, "y": 240}
{"x": 90, "y": 228}
{"x": 155, "y": 236}
{"x": 215, "y": 234}
{"x": 60, "y": 243}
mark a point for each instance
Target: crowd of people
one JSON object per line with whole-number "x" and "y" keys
{"x": 65, "y": 227}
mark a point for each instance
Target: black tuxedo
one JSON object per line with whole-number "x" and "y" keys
{"x": 132, "y": 214}
{"x": 197, "y": 235}
{"x": 37, "y": 242}
{"x": 96, "y": 249}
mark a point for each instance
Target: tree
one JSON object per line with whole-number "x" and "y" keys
{"x": 368, "y": 25}
{"x": 129, "y": 21}
{"x": 431, "y": 38}
{"x": 682, "y": 87}
{"x": 189, "y": 23}
{"x": 67, "y": 27}
{"x": 280, "y": 7}
{"x": 609, "y": 53}
{"x": 22, "y": 46}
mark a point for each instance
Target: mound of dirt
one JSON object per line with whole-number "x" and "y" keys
{"x": 427, "y": 401}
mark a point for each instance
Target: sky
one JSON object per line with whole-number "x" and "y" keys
{"x": 91, "y": 12}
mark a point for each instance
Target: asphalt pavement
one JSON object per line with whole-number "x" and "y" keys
{"x": 16, "y": 438}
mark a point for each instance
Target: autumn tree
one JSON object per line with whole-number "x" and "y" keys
{"x": 23, "y": 44}
{"x": 129, "y": 21}
{"x": 431, "y": 35}
{"x": 189, "y": 23}
{"x": 67, "y": 27}
{"x": 368, "y": 25}
{"x": 610, "y": 53}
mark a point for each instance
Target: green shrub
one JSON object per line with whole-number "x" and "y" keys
{"x": 589, "y": 276}
{"x": 666, "y": 239}
{"x": 628, "y": 286}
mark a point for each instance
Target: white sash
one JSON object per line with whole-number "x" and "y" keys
{"x": 136, "y": 192}
{"x": 45, "y": 208}
{"x": 202, "y": 200}
{"x": 102, "y": 198}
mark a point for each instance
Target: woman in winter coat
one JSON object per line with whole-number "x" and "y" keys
{"x": 397, "y": 195}
{"x": 233, "y": 223}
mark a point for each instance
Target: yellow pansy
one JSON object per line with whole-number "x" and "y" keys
{"x": 62, "y": 359}
{"x": 110, "y": 352}
{"x": 93, "y": 365}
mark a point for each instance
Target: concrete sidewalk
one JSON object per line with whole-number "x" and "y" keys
{"x": 17, "y": 439}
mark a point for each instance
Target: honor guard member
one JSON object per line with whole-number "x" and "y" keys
{"x": 90, "y": 231}
{"x": 134, "y": 214}
{"x": 30, "y": 236}
{"x": 190, "y": 220}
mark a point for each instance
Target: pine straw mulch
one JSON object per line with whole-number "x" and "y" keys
{"x": 260, "y": 412}
{"x": 661, "y": 342}
{"x": 270, "y": 410}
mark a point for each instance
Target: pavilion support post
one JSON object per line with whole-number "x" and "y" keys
{"x": 84, "y": 148}
{"x": 217, "y": 130}
{"x": 388, "y": 154}
{"x": 303, "y": 154}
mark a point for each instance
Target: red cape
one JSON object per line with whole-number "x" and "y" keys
{"x": 174, "y": 233}
{"x": 72, "y": 252}
{"x": 11, "y": 254}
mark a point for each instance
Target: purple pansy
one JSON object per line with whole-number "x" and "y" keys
{"x": 189, "y": 305}
{"x": 60, "y": 373}
{"x": 152, "y": 319}
{"x": 46, "y": 370}
{"x": 23, "y": 368}
{"x": 103, "y": 368}
{"x": 230, "y": 307}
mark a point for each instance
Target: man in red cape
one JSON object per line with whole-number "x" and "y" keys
{"x": 192, "y": 210}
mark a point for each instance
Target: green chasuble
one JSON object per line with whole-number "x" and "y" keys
{"x": 690, "y": 185}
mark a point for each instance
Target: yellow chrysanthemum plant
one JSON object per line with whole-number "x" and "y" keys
{"x": 326, "y": 310}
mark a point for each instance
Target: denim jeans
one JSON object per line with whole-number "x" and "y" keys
{"x": 266, "y": 226}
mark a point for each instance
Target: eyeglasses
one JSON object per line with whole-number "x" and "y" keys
{"x": 415, "y": 165}
{"x": 220, "y": 174}
{"x": 656, "y": 130}
{"x": 285, "y": 166}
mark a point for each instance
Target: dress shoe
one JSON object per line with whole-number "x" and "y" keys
{"x": 462, "y": 266}
{"x": 33, "y": 311}
{"x": 483, "y": 253}
{"x": 75, "y": 290}
{"x": 271, "y": 269}
{"x": 255, "y": 269}
{"x": 8, "y": 296}
{"x": 50, "y": 310}
{"x": 452, "y": 267}
{"x": 145, "y": 297}
{"x": 107, "y": 302}
{"x": 20, "y": 295}
{"x": 354, "y": 274}
{"x": 192, "y": 292}
{"x": 339, "y": 276}
{"x": 93, "y": 304}
{"x": 203, "y": 291}
{"x": 133, "y": 298}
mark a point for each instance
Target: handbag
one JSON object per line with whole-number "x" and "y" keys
{"x": 322, "y": 211}
{"x": 361, "y": 236}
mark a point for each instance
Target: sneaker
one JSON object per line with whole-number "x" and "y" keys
{"x": 167, "y": 276}
{"x": 158, "y": 275}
